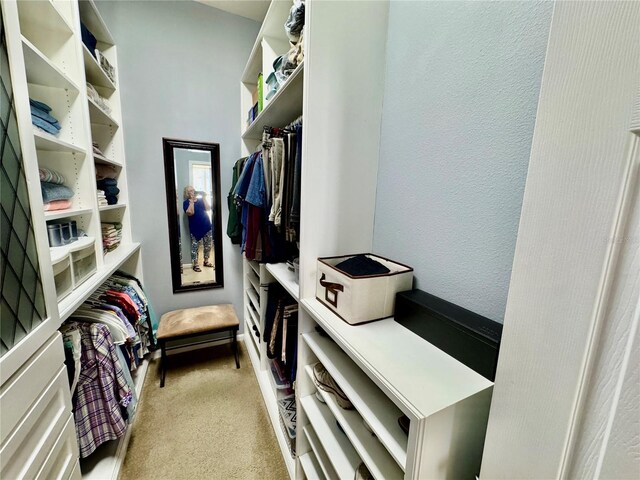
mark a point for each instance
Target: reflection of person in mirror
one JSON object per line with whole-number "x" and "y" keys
{"x": 196, "y": 208}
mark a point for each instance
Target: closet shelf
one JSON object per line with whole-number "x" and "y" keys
{"x": 343, "y": 457}
{"x": 283, "y": 108}
{"x": 369, "y": 448}
{"x": 92, "y": 19}
{"x": 101, "y": 159}
{"x": 44, "y": 16}
{"x": 254, "y": 320}
{"x": 272, "y": 26}
{"x": 254, "y": 298}
{"x": 285, "y": 277}
{"x": 249, "y": 332}
{"x": 46, "y": 141}
{"x": 374, "y": 406}
{"x": 311, "y": 467}
{"x": 402, "y": 364}
{"x": 41, "y": 71}
{"x": 80, "y": 294}
{"x": 99, "y": 116}
{"x": 70, "y": 212}
{"x": 95, "y": 74}
{"x": 255, "y": 282}
{"x": 320, "y": 455}
{"x": 117, "y": 206}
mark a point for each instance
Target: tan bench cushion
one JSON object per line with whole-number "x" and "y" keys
{"x": 197, "y": 320}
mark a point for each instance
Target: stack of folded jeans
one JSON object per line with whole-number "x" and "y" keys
{"x": 41, "y": 117}
{"x": 110, "y": 188}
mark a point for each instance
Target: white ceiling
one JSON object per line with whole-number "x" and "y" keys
{"x": 253, "y": 9}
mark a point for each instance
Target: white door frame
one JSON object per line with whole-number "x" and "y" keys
{"x": 562, "y": 375}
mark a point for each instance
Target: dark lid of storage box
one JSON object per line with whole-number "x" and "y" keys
{"x": 470, "y": 338}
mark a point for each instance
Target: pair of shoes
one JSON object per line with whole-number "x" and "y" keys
{"x": 363, "y": 473}
{"x": 324, "y": 381}
{"x": 208, "y": 264}
{"x": 196, "y": 268}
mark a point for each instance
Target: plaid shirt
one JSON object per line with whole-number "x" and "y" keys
{"x": 101, "y": 392}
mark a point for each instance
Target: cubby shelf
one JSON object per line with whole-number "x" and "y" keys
{"x": 102, "y": 159}
{"x": 368, "y": 447}
{"x": 378, "y": 410}
{"x": 93, "y": 21}
{"x": 284, "y": 107}
{"x": 99, "y": 116}
{"x": 343, "y": 457}
{"x": 311, "y": 467}
{"x": 95, "y": 74}
{"x": 41, "y": 71}
{"x": 44, "y": 15}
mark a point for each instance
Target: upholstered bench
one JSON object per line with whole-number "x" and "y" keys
{"x": 194, "y": 322}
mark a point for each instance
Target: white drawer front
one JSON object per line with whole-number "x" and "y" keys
{"x": 21, "y": 391}
{"x": 64, "y": 456}
{"x": 25, "y": 451}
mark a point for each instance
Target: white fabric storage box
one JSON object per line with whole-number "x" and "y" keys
{"x": 364, "y": 298}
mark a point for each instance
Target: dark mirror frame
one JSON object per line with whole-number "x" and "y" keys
{"x": 168, "y": 145}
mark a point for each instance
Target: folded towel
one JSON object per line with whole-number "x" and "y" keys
{"x": 111, "y": 191}
{"x": 53, "y": 191}
{"x": 45, "y": 116}
{"x": 40, "y": 105}
{"x": 44, "y": 125}
{"x": 107, "y": 182}
{"x": 57, "y": 205}
{"x": 51, "y": 176}
{"x": 106, "y": 171}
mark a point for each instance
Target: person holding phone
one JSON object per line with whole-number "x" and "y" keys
{"x": 200, "y": 228}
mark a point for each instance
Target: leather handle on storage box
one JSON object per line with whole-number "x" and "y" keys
{"x": 332, "y": 288}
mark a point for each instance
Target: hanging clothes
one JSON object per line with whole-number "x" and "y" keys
{"x": 234, "y": 227}
{"x": 101, "y": 392}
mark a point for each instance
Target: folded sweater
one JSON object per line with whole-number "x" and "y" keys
{"x": 51, "y": 176}
{"x": 53, "y": 191}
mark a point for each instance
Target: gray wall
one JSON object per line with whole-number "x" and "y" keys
{"x": 179, "y": 67}
{"x": 462, "y": 85}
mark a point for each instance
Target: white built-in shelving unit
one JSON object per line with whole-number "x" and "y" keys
{"x": 384, "y": 369}
{"x": 50, "y": 63}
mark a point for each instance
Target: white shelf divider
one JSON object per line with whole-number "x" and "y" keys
{"x": 311, "y": 467}
{"x": 249, "y": 332}
{"x": 41, "y": 71}
{"x": 46, "y": 141}
{"x": 102, "y": 159}
{"x": 342, "y": 455}
{"x": 285, "y": 277}
{"x": 69, "y": 212}
{"x": 254, "y": 298}
{"x": 371, "y": 451}
{"x": 375, "y": 407}
{"x": 95, "y": 74}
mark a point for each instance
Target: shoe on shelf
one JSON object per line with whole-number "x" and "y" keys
{"x": 368, "y": 427}
{"x": 363, "y": 473}
{"x": 319, "y": 397}
{"x": 324, "y": 381}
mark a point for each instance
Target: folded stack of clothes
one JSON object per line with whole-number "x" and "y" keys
{"x": 97, "y": 152}
{"x": 110, "y": 188}
{"x": 41, "y": 117}
{"x": 93, "y": 94}
{"x": 55, "y": 195}
{"x": 102, "y": 199}
{"x": 111, "y": 236}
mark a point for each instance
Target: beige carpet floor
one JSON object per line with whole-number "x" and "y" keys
{"x": 208, "y": 422}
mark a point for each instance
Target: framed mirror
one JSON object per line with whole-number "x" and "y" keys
{"x": 192, "y": 176}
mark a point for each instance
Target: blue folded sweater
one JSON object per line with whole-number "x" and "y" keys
{"x": 53, "y": 191}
